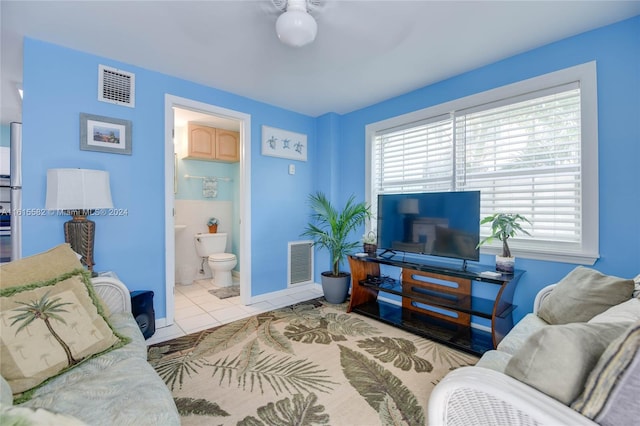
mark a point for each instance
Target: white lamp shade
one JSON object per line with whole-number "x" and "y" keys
{"x": 78, "y": 189}
{"x": 296, "y": 28}
{"x": 408, "y": 206}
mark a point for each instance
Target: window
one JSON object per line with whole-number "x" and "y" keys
{"x": 530, "y": 148}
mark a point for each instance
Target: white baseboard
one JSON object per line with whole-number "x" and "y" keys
{"x": 291, "y": 291}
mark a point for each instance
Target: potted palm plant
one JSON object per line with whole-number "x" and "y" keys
{"x": 504, "y": 226}
{"x": 330, "y": 228}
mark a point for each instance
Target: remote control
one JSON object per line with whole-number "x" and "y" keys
{"x": 491, "y": 274}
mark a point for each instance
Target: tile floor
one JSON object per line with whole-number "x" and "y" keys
{"x": 196, "y": 309}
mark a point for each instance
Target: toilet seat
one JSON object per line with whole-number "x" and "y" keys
{"x": 222, "y": 257}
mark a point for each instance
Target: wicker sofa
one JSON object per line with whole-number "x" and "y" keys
{"x": 588, "y": 382}
{"x": 116, "y": 386}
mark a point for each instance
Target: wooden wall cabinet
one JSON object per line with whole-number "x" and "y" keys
{"x": 437, "y": 303}
{"x": 212, "y": 144}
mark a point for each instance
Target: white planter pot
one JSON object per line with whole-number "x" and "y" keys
{"x": 505, "y": 264}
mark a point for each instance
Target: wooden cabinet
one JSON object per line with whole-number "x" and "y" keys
{"x": 211, "y": 144}
{"x": 436, "y": 302}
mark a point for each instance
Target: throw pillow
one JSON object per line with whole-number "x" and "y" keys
{"x": 610, "y": 395}
{"x": 628, "y": 311}
{"x": 583, "y": 294}
{"x": 39, "y": 267}
{"x": 557, "y": 359}
{"x": 50, "y": 327}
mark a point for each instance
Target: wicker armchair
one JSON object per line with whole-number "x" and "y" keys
{"x": 483, "y": 395}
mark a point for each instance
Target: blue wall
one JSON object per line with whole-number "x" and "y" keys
{"x": 133, "y": 245}
{"x": 616, "y": 49}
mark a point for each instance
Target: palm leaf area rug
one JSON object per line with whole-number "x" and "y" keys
{"x": 306, "y": 364}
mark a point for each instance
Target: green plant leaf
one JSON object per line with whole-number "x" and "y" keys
{"x": 311, "y": 334}
{"x": 401, "y": 352}
{"x": 202, "y": 407}
{"x": 282, "y": 374}
{"x": 389, "y": 412}
{"x": 349, "y": 325}
{"x": 268, "y": 334}
{"x": 331, "y": 328}
{"x": 440, "y": 354}
{"x": 330, "y": 228}
{"x": 173, "y": 370}
{"x": 374, "y": 383}
{"x": 225, "y": 337}
{"x": 285, "y": 412}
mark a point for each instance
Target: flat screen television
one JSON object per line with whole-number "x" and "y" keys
{"x": 445, "y": 224}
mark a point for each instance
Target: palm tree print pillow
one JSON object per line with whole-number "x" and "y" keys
{"x": 50, "y": 327}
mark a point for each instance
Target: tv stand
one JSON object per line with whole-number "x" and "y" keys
{"x": 436, "y": 302}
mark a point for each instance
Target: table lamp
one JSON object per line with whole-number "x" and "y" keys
{"x": 79, "y": 192}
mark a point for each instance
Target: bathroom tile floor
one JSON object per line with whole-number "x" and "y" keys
{"x": 196, "y": 309}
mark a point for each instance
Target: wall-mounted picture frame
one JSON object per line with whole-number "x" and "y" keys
{"x": 105, "y": 134}
{"x": 284, "y": 144}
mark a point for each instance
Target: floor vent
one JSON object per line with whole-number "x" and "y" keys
{"x": 116, "y": 86}
{"x": 300, "y": 267}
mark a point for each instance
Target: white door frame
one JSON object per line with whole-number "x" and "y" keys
{"x": 170, "y": 102}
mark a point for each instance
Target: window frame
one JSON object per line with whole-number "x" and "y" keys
{"x": 585, "y": 75}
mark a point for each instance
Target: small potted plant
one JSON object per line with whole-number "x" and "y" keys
{"x": 330, "y": 228}
{"x": 370, "y": 243}
{"x": 212, "y": 223}
{"x": 504, "y": 226}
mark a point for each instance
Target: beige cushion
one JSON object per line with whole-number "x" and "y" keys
{"x": 628, "y": 311}
{"x": 583, "y": 294}
{"x": 611, "y": 392}
{"x": 43, "y": 266}
{"x": 73, "y": 331}
{"x": 39, "y": 267}
{"x": 557, "y": 359}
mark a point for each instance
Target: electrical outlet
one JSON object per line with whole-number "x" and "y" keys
{"x": 292, "y": 169}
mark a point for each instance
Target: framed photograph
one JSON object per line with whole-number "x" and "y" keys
{"x": 284, "y": 144}
{"x": 105, "y": 134}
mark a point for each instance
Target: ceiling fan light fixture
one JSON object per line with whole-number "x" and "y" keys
{"x": 296, "y": 27}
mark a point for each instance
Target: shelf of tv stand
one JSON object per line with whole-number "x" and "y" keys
{"x": 478, "y": 306}
{"x": 421, "y": 290}
{"x": 467, "y": 339}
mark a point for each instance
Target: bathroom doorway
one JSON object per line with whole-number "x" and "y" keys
{"x": 226, "y": 196}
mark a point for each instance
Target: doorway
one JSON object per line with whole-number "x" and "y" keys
{"x": 191, "y": 108}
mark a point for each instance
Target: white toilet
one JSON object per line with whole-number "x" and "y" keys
{"x": 212, "y": 247}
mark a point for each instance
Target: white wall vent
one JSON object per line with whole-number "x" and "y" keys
{"x": 300, "y": 267}
{"x": 116, "y": 86}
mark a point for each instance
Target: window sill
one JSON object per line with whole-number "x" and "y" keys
{"x": 564, "y": 257}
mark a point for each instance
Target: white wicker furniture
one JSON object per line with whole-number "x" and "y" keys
{"x": 484, "y": 395}
{"x": 113, "y": 293}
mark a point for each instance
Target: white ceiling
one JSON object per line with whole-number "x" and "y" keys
{"x": 365, "y": 51}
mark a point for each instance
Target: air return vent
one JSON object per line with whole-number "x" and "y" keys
{"x": 300, "y": 268}
{"x": 116, "y": 86}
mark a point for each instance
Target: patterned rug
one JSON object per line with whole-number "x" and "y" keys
{"x": 226, "y": 292}
{"x": 306, "y": 364}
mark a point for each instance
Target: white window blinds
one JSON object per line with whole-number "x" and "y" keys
{"x": 523, "y": 153}
{"x": 415, "y": 158}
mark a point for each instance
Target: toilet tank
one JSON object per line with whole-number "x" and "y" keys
{"x": 208, "y": 244}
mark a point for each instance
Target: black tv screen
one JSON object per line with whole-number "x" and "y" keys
{"x": 443, "y": 224}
